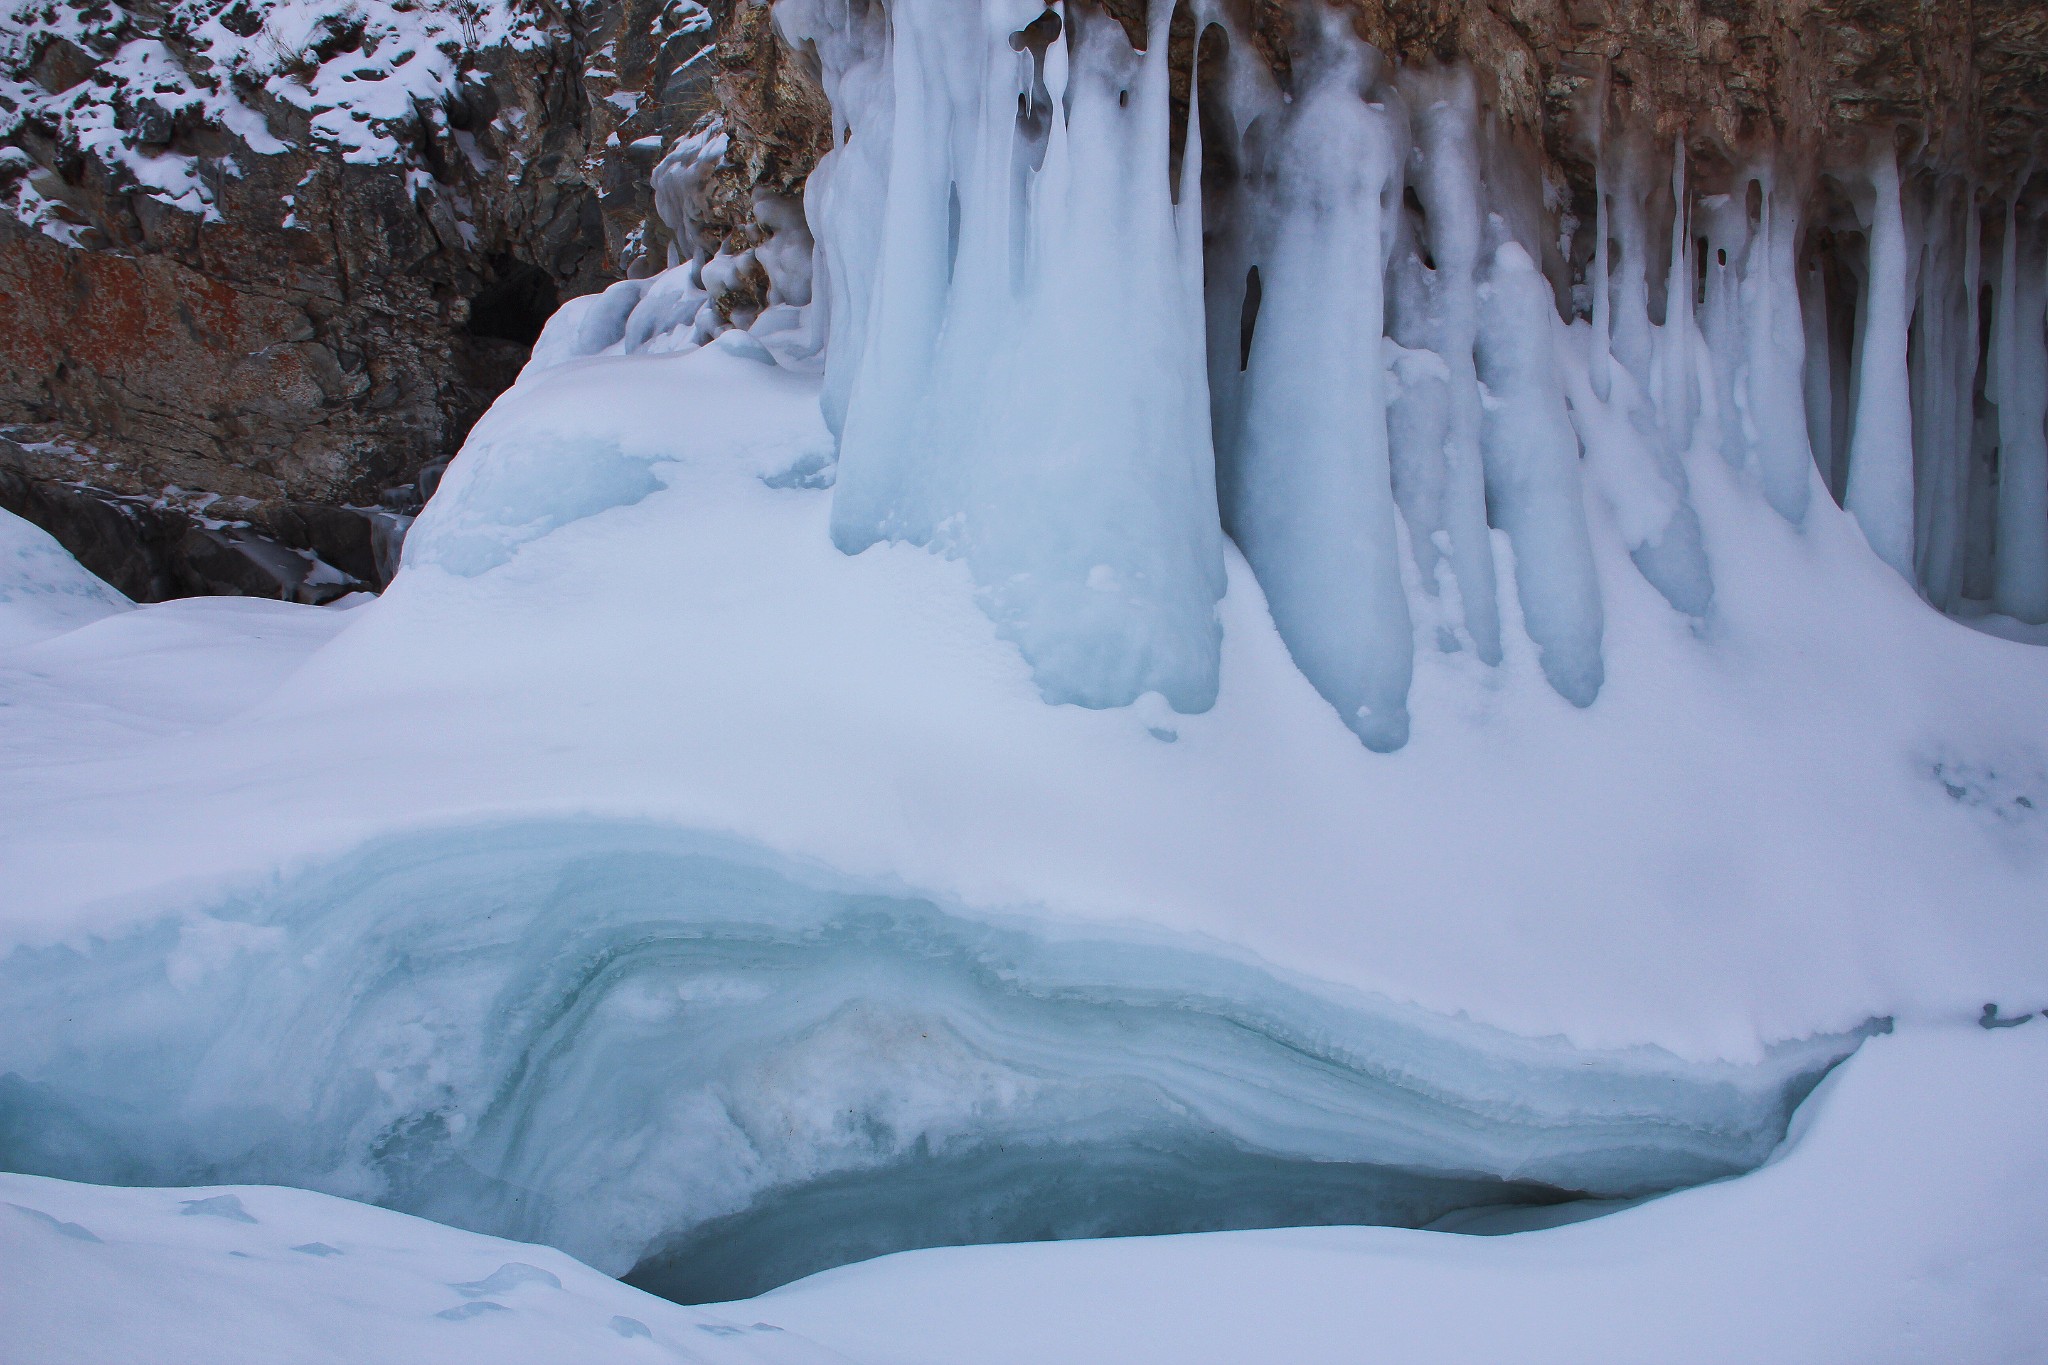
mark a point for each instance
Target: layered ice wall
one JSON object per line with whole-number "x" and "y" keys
{"x": 684, "y": 1055}
{"x": 1098, "y": 291}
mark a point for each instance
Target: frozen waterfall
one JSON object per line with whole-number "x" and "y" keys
{"x": 1090, "y": 294}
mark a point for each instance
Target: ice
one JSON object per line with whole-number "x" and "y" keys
{"x": 43, "y": 590}
{"x": 1631, "y": 452}
{"x": 1880, "y": 488}
{"x": 1532, "y": 473}
{"x": 2020, "y": 361}
{"x": 1308, "y": 493}
{"x": 680, "y": 1054}
{"x": 1901, "y": 1210}
{"x": 1444, "y": 115}
{"x": 1030, "y": 394}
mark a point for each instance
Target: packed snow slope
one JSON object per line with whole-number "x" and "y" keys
{"x": 1821, "y": 803}
{"x": 1901, "y": 1223}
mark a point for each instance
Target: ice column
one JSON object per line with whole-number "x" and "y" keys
{"x": 2021, "y": 581}
{"x": 1774, "y": 354}
{"x": 1445, "y": 119}
{"x": 1532, "y": 474}
{"x": 1880, "y": 491}
{"x": 1630, "y": 456}
{"x": 1310, "y": 500}
{"x": 1029, "y": 392}
{"x": 844, "y": 194}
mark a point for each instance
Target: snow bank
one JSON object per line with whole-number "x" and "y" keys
{"x": 43, "y": 590}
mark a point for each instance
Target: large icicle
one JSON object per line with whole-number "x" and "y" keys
{"x": 2021, "y": 582}
{"x": 1445, "y": 118}
{"x": 1774, "y": 355}
{"x": 1631, "y": 459}
{"x": 1310, "y": 500}
{"x": 1880, "y": 491}
{"x": 1030, "y": 394}
{"x": 1532, "y": 474}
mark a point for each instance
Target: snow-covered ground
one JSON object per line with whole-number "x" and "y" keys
{"x": 1818, "y": 809}
{"x": 1827, "y": 803}
{"x": 1902, "y": 1222}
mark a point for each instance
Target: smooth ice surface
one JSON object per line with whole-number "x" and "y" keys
{"x": 1901, "y": 1223}
{"x": 43, "y": 590}
{"x": 633, "y": 1043}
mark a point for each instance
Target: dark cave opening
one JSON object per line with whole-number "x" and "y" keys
{"x": 516, "y": 301}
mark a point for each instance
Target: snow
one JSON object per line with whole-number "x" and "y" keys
{"x": 682, "y": 864}
{"x": 261, "y": 1274}
{"x": 1901, "y": 1223}
{"x": 43, "y": 590}
{"x": 361, "y": 73}
{"x": 1743, "y": 840}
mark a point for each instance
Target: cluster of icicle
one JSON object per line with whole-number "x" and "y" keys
{"x": 1061, "y": 351}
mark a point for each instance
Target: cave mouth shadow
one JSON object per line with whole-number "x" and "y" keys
{"x": 515, "y": 303}
{"x": 1043, "y": 1192}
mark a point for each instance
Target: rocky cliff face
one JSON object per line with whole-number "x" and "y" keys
{"x": 266, "y": 260}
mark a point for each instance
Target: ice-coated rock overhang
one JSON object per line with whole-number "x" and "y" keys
{"x": 686, "y": 1060}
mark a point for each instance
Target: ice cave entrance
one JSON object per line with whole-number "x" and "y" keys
{"x": 712, "y": 1070}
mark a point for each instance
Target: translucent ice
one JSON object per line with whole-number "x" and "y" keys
{"x": 1308, "y": 495}
{"x": 1029, "y": 394}
{"x": 679, "y": 1053}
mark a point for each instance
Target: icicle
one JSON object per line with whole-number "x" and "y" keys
{"x": 1880, "y": 492}
{"x": 1628, "y": 456}
{"x": 1674, "y": 387}
{"x": 1948, "y": 527}
{"x": 1633, "y": 343}
{"x": 1532, "y": 474}
{"x": 1031, "y": 394}
{"x": 1311, "y": 503}
{"x": 2021, "y": 566}
{"x": 1774, "y": 357}
{"x": 1445, "y": 116}
{"x": 1818, "y": 388}
{"x": 1603, "y": 328}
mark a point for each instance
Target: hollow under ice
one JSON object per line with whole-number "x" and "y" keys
{"x": 1081, "y": 310}
{"x": 680, "y": 1057}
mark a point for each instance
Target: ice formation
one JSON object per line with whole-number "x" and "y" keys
{"x": 679, "y": 1053}
{"x": 1078, "y": 326}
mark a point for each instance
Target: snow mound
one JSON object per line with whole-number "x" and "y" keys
{"x": 43, "y": 590}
